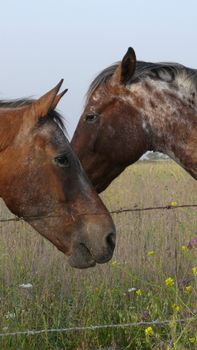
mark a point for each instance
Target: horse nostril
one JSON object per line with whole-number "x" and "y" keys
{"x": 111, "y": 240}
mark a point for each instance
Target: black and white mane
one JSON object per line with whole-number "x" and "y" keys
{"x": 173, "y": 73}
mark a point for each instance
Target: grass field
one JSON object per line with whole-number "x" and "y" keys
{"x": 149, "y": 278}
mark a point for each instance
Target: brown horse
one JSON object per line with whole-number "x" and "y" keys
{"x": 133, "y": 107}
{"x": 42, "y": 181}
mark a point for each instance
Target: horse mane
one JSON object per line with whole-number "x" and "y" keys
{"x": 52, "y": 114}
{"x": 169, "y": 72}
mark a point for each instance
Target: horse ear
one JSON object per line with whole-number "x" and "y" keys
{"x": 41, "y": 107}
{"x": 58, "y": 98}
{"x": 126, "y": 69}
{"x": 128, "y": 66}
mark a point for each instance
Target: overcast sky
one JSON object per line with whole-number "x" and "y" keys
{"x": 43, "y": 41}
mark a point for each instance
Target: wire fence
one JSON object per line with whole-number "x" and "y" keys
{"x": 116, "y": 211}
{"x": 96, "y": 327}
{"x": 166, "y": 207}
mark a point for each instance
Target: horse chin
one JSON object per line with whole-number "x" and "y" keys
{"x": 81, "y": 258}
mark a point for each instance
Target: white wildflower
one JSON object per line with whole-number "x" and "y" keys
{"x": 10, "y": 316}
{"x": 132, "y": 290}
{"x": 26, "y": 285}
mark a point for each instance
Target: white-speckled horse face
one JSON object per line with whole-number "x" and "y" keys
{"x": 133, "y": 107}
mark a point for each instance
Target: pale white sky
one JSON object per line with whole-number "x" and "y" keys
{"x": 45, "y": 40}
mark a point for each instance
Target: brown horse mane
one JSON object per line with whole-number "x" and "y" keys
{"x": 161, "y": 71}
{"x": 52, "y": 114}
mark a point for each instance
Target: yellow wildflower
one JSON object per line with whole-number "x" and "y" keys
{"x": 114, "y": 263}
{"x": 139, "y": 292}
{"x": 176, "y": 307}
{"x": 173, "y": 204}
{"x": 169, "y": 282}
{"x": 150, "y": 253}
{"x": 188, "y": 289}
{"x": 149, "y": 331}
{"x": 194, "y": 269}
{"x": 184, "y": 248}
{"x": 192, "y": 340}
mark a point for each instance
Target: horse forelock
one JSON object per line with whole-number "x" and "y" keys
{"x": 53, "y": 114}
{"x": 184, "y": 77}
{"x": 101, "y": 78}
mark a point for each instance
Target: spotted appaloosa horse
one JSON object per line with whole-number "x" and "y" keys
{"x": 42, "y": 181}
{"x": 133, "y": 107}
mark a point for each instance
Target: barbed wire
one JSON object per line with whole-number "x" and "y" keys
{"x": 119, "y": 211}
{"x": 116, "y": 211}
{"x": 95, "y": 327}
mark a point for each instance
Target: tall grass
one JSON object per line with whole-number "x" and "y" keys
{"x": 151, "y": 247}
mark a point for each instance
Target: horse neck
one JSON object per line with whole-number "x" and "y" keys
{"x": 169, "y": 119}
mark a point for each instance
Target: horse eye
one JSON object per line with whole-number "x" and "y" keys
{"x": 91, "y": 118}
{"x": 62, "y": 161}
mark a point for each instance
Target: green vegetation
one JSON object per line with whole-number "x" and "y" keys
{"x": 153, "y": 275}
